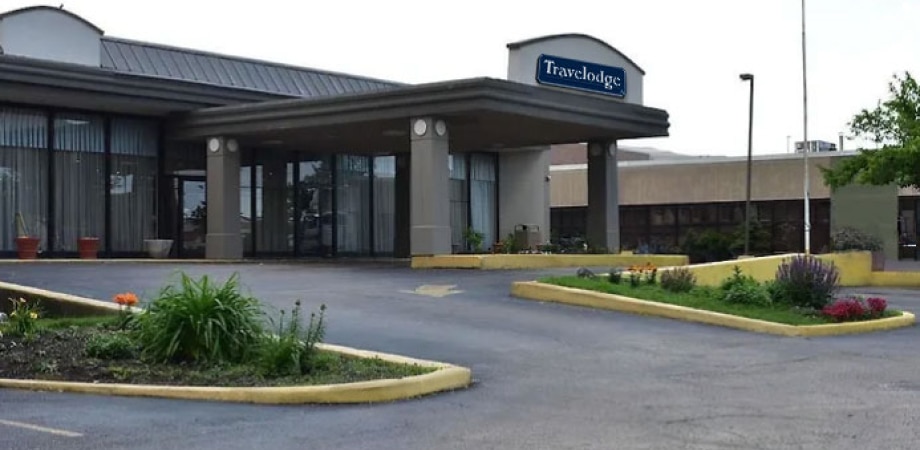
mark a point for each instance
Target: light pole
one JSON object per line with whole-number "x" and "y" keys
{"x": 747, "y": 196}
{"x": 805, "y": 139}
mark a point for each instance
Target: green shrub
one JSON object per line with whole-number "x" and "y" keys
{"x": 292, "y": 351}
{"x": 678, "y": 279}
{"x": 747, "y": 294}
{"x": 200, "y": 321}
{"x": 116, "y": 345}
{"x": 615, "y": 275}
{"x": 744, "y": 289}
{"x": 851, "y": 239}
{"x": 806, "y": 282}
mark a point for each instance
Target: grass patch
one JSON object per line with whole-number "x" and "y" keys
{"x": 705, "y": 298}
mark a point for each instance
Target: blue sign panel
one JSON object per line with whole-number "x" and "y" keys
{"x": 570, "y": 73}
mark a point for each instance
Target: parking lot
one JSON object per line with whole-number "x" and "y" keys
{"x": 546, "y": 376}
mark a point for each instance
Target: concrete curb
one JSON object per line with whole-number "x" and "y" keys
{"x": 533, "y": 290}
{"x": 542, "y": 261}
{"x": 446, "y": 377}
{"x": 67, "y": 302}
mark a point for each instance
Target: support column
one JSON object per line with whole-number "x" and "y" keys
{"x": 430, "y": 207}
{"x": 523, "y": 191}
{"x": 603, "y": 225}
{"x": 223, "y": 240}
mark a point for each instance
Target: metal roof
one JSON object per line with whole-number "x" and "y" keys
{"x": 160, "y": 61}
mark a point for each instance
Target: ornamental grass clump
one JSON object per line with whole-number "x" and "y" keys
{"x": 200, "y": 321}
{"x": 678, "y": 279}
{"x": 293, "y": 350}
{"x": 806, "y": 282}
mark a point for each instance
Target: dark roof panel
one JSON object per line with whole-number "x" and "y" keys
{"x": 142, "y": 58}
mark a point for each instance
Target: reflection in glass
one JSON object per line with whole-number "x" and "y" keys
{"x": 314, "y": 202}
{"x": 194, "y": 217}
{"x": 274, "y": 190}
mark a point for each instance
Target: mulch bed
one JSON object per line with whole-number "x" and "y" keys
{"x": 59, "y": 354}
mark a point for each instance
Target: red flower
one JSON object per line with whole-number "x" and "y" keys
{"x": 877, "y": 305}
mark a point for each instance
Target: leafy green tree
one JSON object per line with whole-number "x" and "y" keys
{"x": 894, "y": 127}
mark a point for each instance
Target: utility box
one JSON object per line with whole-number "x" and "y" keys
{"x": 527, "y": 236}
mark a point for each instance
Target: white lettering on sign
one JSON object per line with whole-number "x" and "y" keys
{"x": 583, "y": 74}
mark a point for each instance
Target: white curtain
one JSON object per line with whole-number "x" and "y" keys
{"x": 384, "y": 204}
{"x": 353, "y": 203}
{"x": 23, "y": 174}
{"x": 482, "y": 197}
{"x": 459, "y": 201}
{"x": 79, "y": 179}
{"x": 133, "y": 183}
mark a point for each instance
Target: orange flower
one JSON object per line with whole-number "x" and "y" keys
{"x": 126, "y": 299}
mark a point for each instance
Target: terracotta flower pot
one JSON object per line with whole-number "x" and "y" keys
{"x": 27, "y": 247}
{"x": 88, "y": 247}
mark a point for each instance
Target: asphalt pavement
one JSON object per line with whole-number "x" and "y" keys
{"x": 546, "y": 376}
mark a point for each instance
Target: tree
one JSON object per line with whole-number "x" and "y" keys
{"x": 894, "y": 127}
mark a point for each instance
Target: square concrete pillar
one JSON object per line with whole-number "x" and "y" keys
{"x": 223, "y": 240}
{"x": 603, "y": 225}
{"x": 430, "y": 206}
{"x": 523, "y": 190}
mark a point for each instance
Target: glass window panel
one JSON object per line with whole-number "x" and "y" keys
{"x": 384, "y": 204}
{"x": 633, "y": 216}
{"x": 483, "y": 191}
{"x": 133, "y": 182}
{"x": 274, "y": 215}
{"x": 79, "y": 179}
{"x": 353, "y": 203}
{"x": 459, "y": 201}
{"x": 314, "y": 201}
{"x": 23, "y": 175}
{"x": 662, "y": 215}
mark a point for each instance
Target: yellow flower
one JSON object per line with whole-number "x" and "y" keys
{"x": 13, "y": 314}
{"x": 33, "y": 315}
{"x": 22, "y": 300}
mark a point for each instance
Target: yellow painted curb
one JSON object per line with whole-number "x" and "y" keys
{"x": 533, "y": 290}
{"x": 67, "y": 301}
{"x": 895, "y": 279}
{"x": 446, "y": 377}
{"x": 542, "y": 261}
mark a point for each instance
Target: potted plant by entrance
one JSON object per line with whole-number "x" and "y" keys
{"x": 848, "y": 239}
{"x": 88, "y": 247}
{"x": 26, "y": 244}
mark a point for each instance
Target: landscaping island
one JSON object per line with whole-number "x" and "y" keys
{"x": 801, "y": 300}
{"x": 203, "y": 340}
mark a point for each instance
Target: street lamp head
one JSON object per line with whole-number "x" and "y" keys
{"x": 747, "y": 77}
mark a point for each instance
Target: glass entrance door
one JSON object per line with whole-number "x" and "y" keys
{"x": 314, "y": 207}
{"x": 193, "y": 217}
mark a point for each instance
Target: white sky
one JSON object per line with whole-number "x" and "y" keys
{"x": 691, "y": 50}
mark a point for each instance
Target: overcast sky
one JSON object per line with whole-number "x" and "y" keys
{"x": 692, "y": 51}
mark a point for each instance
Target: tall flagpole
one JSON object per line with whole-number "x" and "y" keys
{"x": 805, "y": 146}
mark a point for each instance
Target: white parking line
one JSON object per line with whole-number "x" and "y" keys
{"x": 29, "y": 426}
